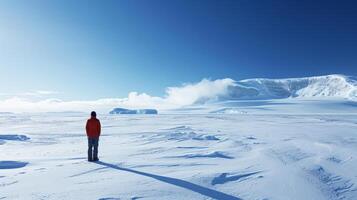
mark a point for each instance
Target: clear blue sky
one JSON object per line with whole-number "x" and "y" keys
{"x": 95, "y": 49}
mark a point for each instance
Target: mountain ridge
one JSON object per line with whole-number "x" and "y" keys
{"x": 334, "y": 85}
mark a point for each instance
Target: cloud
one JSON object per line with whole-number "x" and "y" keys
{"x": 36, "y": 93}
{"x": 41, "y": 93}
{"x": 175, "y": 97}
{"x": 203, "y": 91}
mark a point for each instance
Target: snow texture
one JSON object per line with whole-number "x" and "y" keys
{"x": 214, "y": 156}
{"x": 295, "y": 148}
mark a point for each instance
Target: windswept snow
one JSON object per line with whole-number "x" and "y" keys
{"x": 215, "y": 154}
{"x": 277, "y": 149}
{"x": 224, "y": 178}
{"x": 182, "y": 133}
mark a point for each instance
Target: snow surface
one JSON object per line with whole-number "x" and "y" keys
{"x": 276, "y": 149}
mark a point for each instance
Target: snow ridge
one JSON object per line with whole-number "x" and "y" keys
{"x": 335, "y": 85}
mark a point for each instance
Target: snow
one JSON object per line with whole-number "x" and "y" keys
{"x": 319, "y": 86}
{"x": 294, "y": 148}
{"x": 222, "y": 179}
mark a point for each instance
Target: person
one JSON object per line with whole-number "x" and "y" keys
{"x": 93, "y": 129}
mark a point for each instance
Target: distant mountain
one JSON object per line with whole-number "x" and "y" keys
{"x": 128, "y": 111}
{"x": 308, "y": 87}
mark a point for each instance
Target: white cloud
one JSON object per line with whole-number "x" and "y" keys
{"x": 36, "y": 93}
{"x": 200, "y": 92}
{"x": 41, "y": 93}
{"x": 175, "y": 97}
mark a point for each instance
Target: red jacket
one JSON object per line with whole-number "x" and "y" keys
{"x": 93, "y": 128}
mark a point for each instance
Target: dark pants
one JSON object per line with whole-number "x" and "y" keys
{"x": 93, "y": 144}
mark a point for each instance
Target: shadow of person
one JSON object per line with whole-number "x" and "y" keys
{"x": 177, "y": 182}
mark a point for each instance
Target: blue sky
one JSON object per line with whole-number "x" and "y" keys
{"x": 96, "y": 49}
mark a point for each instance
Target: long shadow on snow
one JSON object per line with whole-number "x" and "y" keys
{"x": 177, "y": 182}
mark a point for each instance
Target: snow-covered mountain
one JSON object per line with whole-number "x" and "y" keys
{"x": 339, "y": 86}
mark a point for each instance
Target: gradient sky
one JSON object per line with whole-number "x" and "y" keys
{"x": 95, "y": 49}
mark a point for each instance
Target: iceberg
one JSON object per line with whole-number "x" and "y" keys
{"x": 138, "y": 111}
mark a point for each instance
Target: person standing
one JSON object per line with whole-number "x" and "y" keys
{"x": 93, "y": 129}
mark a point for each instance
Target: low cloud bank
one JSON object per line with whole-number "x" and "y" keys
{"x": 175, "y": 97}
